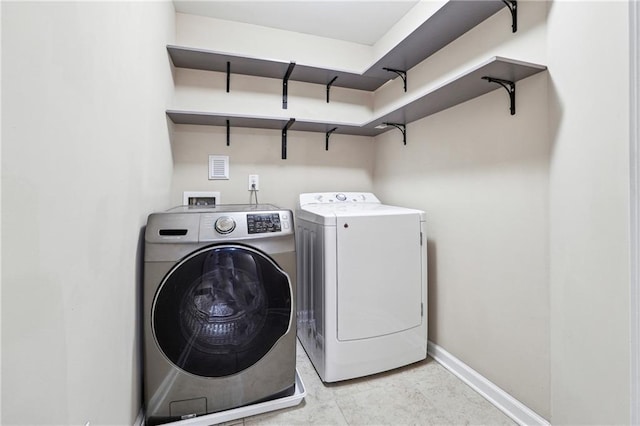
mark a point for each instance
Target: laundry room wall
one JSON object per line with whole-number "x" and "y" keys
{"x": 482, "y": 176}
{"x": 528, "y": 215}
{"x": 263, "y": 42}
{"x": 85, "y": 157}
{"x": 589, "y": 211}
{"x": 347, "y": 165}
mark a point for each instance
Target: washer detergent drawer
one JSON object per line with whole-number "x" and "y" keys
{"x": 379, "y": 275}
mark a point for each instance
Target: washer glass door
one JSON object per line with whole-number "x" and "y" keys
{"x": 221, "y": 309}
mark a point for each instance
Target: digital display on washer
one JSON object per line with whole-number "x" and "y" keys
{"x": 261, "y": 223}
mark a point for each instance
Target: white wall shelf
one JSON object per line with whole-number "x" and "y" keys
{"x": 460, "y": 89}
{"x": 452, "y": 20}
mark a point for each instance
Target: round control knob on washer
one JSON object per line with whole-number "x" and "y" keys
{"x": 341, "y": 197}
{"x": 225, "y": 224}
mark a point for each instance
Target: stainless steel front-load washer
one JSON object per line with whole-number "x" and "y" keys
{"x": 219, "y": 314}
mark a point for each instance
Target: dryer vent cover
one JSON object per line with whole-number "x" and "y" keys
{"x": 218, "y": 167}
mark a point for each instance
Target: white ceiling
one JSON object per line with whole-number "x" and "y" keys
{"x": 358, "y": 21}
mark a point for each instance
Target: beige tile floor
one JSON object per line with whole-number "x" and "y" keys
{"x": 420, "y": 394}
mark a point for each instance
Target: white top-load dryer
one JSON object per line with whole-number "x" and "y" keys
{"x": 362, "y": 294}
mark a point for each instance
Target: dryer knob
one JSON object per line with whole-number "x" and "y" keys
{"x": 225, "y": 224}
{"x": 341, "y": 197}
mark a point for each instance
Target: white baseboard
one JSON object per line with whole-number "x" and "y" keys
{"x": 513, "y": 408}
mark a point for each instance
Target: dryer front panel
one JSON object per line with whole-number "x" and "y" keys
{"x": 221, "y": 309}
{"x": 379, "y": 275}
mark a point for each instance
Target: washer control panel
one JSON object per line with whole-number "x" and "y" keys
{"x": 238, "y": 225}
{"x": 261, "y": 223}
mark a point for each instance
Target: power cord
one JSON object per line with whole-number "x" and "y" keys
{"x": 253, "y": 193}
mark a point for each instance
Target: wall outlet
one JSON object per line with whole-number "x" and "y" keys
{"x": 254, "y": 182}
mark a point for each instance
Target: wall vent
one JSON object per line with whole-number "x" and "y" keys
{"x": 218, "y": 167}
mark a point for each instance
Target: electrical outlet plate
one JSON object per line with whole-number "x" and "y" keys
{"x": 254, "y": 180}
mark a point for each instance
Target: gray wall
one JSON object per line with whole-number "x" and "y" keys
{"x": 85, "y": 157}
{"x": 527, "y": 214}
{"x": 482, "y": 176}
{"x": 308, "y": 167}
{"x": 528, "y": 235}
{"x": 529, "y": 267}
{"x": 589, "y": 212}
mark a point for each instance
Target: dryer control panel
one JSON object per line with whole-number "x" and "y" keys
{"x": 337, "y": 198}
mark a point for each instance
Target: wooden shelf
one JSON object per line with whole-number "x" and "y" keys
{"x": 455, "y": 18}
{"x": 453, "y": 92}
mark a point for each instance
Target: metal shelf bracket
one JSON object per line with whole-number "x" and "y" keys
{"x": 228, "y": 133}
{"x": 326, "y": 143}
{"x": 285, "y": 84}
{"x": 402, "y": 128}
{"x": 513, "y": 8}
{"x": 284, "y": 137}
{"x": 228, "y": 75}
{"x": 401, "y": 73}
{"x": 509, "y": 86}
{"x": 329, "y": 86}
